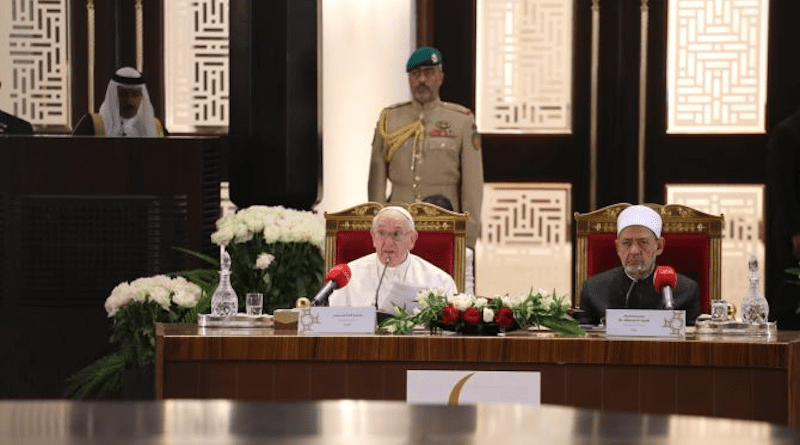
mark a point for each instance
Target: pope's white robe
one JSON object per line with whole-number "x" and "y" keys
{"x": 399, "y": 287}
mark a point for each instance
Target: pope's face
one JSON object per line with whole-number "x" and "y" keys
{"x": 129, "y": 101}
{"x": 392, "y": 238}
{"x": 425, "y": 83}
{"x": 637, "y": 248}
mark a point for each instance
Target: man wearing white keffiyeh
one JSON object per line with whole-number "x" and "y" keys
{"x": 126, "y": 110}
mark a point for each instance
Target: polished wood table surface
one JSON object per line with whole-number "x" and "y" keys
{"x": 223, "y": 422}
{"x": 733, "y": 377}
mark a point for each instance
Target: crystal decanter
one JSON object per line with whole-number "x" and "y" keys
{"x": 755, "y": 308}
{"x": 224, "y": 302}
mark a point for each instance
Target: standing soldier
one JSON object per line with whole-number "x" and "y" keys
{"x": 428, "y": 147}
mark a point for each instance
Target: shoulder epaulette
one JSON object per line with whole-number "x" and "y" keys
{"x": 397, "y": 105}
{"x": 456, "y": 107}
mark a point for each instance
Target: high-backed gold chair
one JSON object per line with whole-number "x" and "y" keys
{"x": 693, "y": 246}
{"x": 442, "y": 236}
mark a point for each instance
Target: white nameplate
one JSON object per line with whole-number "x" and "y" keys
{"x": 645, "y": 323}
{"x": 336, "y": 320}
{"x": 468, "y": 387}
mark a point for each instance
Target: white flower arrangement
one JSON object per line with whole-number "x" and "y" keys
{"x": 274, "y": 250}
{"x": 161, "y": 289}
{"x": 135, "y": 308}
{"x": 275, "y": 223}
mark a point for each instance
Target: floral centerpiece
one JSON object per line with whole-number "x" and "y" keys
{"x": 467, "y": 313}
{"x": 135, "y": 308}
{"x": 274, "y": 250}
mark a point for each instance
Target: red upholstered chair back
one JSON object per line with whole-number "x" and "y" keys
{"x": 441, "y": 236}
{"x": 692, "y": 246}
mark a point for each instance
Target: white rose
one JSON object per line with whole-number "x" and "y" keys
{"x": 242, "y": 234}
{"x": 120, "y": 296}
{"x": 185, "y": 298}
{"x": 254, "y": 222}
{"x": 222, "y": 237}
{"x": 226, "y": 221}
{"x": 422, "y": 299}
{"x": 161, "y": 296}
{"x": 481, "y": 302}
{"x": 488, "y": 315}
{"x": 263, "y": 261}
{"x": 462, "y": 302}
{"x": 271, "y": 234}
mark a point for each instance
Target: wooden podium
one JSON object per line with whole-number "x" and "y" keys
{"x": 79, "y": 215}
{"x": 741, "y": 378}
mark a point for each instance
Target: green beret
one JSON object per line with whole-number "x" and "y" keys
{"x": 425, "y": 56}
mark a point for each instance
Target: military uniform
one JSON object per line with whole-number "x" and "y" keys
{"x": 444, "y": 159}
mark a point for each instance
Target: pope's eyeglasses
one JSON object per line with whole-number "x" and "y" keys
{"x": 397, "y": 235}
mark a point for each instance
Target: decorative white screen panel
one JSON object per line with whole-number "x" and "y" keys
{"x": 196, "y": 67}
{"x": 743, "y": 208}
{"x": 526, "y": 239}
{"x": 717, "y": 66}
{"x": 34, "y": 61}
{"x": 524, "y": 66}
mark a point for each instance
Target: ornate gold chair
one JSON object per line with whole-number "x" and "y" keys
{"x": 693, "y": 246}
{"x": 442, "y": 236}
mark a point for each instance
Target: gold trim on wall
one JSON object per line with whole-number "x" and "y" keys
{"x": 593, "y": 105}
{"x": 90, "y": 43}
{"x": 645, "y": 15}
{"x": 139, "y": 36}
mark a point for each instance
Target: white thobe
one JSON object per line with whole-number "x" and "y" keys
{"x": 399, "y": 286}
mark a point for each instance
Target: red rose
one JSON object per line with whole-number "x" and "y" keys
{"x": 504, "y": 317}
{"x": 472, "y": 316}
{"x": 449, "y": 314}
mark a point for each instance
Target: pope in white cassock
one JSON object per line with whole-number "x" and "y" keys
{"x": 392, "y": 276}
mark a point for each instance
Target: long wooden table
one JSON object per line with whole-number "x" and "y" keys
{"x": 732, "y": 377}
{"x": 223, "y": 422}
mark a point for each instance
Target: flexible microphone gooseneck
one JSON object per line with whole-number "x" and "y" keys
{"x": 664, "y": 280}
{"x": 380, "y": 281}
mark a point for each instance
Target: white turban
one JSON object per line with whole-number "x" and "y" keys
{"x": 640, "y": 215}
{"x": 141, "y": 125}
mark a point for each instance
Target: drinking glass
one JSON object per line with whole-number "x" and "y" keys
{"x": 254, "y": 302}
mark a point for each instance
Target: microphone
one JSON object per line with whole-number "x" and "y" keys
{"x": 336, "y": 278}
{"x": 386, "y": 266}
{"x": 664, "y": 280}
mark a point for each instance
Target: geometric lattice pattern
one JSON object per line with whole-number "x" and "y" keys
{"x": 526, "y": 214}
{"x": 743, "y": 208}
{"x": 34, "y": 60}
{"x": 196, "y": 74}
{"x": 526, "y": 239}
{"x": 524, "y": 66}
{"x": 717, "y": 66}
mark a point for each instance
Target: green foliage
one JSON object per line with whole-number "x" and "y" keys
{"x": 295, "y": 271}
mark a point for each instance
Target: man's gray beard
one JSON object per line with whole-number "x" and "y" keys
{"x": 426, "y": 94}
{"x": 640, "y": 271}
